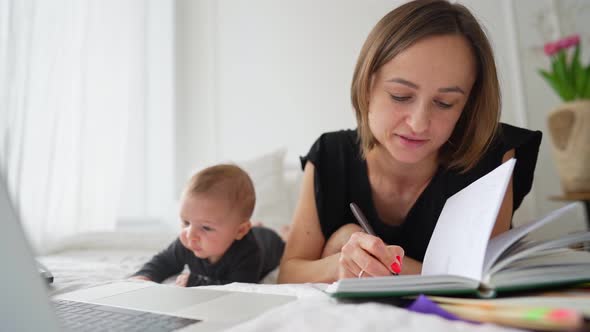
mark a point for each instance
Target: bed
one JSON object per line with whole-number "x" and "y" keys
{"x": 91, "y": 259}
{"x": 99, "y": 258}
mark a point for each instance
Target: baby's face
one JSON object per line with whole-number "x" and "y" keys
{"x": 209, "y": 226}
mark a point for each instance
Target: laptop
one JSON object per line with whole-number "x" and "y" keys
{"x": 119, "y": 306}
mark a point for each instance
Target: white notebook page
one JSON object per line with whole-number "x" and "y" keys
{"x": 458, "y": 244}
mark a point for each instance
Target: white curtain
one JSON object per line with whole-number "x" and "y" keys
{"x": 71, "y": 76}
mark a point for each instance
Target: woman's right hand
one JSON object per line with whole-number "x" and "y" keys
{"x": 366, "y": 255}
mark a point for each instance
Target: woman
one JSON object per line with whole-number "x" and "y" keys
{"x": 427, "y": 102}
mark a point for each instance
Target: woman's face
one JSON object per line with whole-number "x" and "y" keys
{"x": 418, "y": 96}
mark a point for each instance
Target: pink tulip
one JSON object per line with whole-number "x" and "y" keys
{"x": 560, "y": 60}
{"x": 562, "y": 43}
{"x": 551, "y": 48}
{"x": 572, "y": 41}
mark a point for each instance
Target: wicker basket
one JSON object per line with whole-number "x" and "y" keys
{"x": 569, "y": 126}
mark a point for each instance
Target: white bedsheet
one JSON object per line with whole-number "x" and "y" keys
{"x": 316, "y": 311}
{"x": 95, "y": 258}
{"x": 106, "y": 257}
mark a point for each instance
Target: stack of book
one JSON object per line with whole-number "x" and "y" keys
{"x": 552, "y": 311}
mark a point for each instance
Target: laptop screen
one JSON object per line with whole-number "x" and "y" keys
{"x": 24, "y": 304}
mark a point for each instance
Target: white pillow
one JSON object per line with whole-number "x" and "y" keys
{"x": 273, "y": 207}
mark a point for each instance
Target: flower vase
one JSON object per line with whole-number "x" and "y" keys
{"x": 569, "y": 127}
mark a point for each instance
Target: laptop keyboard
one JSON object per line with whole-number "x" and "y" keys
{"x": 78, "y": 316}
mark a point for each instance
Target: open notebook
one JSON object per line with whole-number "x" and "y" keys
{"x": 460, "y": 258}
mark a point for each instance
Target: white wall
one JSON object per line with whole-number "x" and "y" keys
{"x": 284, "y": 71}
{"x": 196, "y": 86}
{"x": 256, "y": 75}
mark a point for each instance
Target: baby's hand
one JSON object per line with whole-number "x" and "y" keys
{"x": 182, "y": 279}
{"x": 142, "y": 278}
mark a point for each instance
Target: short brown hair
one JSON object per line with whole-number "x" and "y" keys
{"x": 403, "y": 27}
{"x": 228, "y": 182}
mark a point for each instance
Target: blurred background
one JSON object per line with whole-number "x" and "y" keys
{"x": 107, "y": 107}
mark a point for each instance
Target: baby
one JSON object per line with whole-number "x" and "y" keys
{"x": 217, "y": 240}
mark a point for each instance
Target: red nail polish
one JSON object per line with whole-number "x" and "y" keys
{"x": 399, "y": 259}
{"x": 396, "y": 267}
